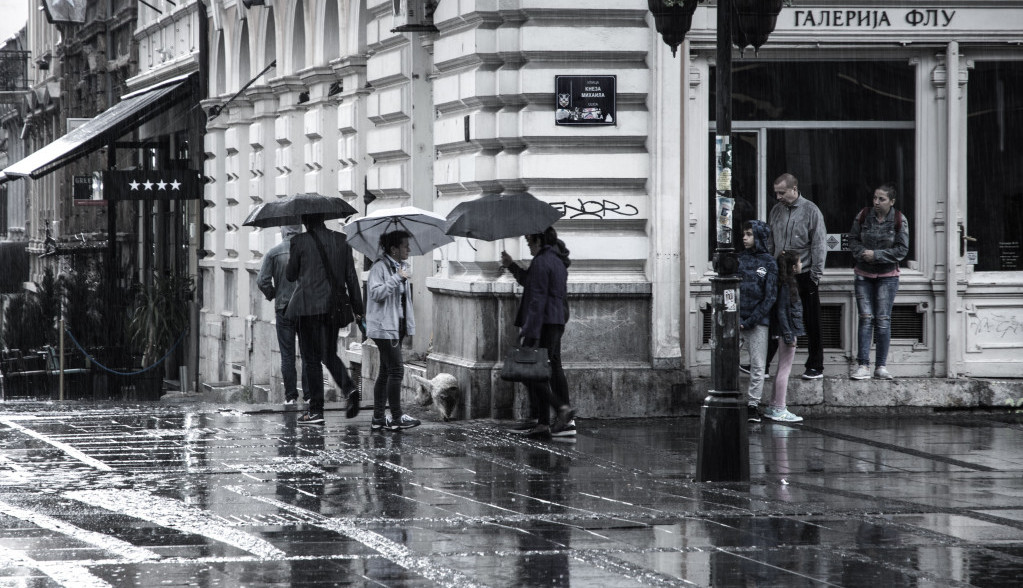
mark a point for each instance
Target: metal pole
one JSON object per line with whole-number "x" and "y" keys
{"x": 61, "y": 378}
{"x": 724, "y": 443}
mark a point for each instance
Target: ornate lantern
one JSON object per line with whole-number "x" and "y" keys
{"x": 673, "y": 19}
{"x": 753, "y": 21}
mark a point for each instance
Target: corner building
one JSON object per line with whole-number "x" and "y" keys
{"x": 843, "y": 96}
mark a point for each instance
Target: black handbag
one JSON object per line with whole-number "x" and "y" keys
{"x": 340, "y": 307}
{"x": 526, "y": 364}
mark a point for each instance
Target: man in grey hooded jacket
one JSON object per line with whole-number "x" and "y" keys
{"x": 275, "y": 285}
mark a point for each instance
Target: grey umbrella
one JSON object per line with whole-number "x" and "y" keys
{"x": 289, "y": 210}
{"x": 494, "y": 216}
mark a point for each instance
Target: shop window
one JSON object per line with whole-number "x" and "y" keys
{"x": 994, "y": 189}
{"x": 842, "y": 128}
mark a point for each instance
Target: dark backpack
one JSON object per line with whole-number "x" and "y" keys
{"x": 862, "y": 216}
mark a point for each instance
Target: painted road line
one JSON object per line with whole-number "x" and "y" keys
{"x": 175, "y": 514}
{"x": 71, "y": 451}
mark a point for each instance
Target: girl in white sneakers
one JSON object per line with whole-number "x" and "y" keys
{"x": 786, "y": 327}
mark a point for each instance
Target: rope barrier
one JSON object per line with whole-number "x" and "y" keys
{"x": 113, "y": 371}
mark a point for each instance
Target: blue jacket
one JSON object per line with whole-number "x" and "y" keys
{"x": 543, "y": 294}
{"x": 788, "y": 316}
{"x": 759, "y": 274}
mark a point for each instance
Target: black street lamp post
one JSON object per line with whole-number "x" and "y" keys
{"x": 724, "y": 444}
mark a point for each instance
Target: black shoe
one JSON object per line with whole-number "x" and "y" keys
{"x": 812, "y": 374}
{"x": 565, "y": 416}
{"x": 744, "y": 368}
{"x": 310, "y": 418}
{"x": 522, "y": 427}
{"x": 753, "y": 413}
{"x": 378, "y": 423}
{"x": 563, "y": 430}
{"x": 539, "y": 432}
{"x": 353, "y": 404}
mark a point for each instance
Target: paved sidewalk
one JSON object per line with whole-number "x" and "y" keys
{"x": 153, "y": 495}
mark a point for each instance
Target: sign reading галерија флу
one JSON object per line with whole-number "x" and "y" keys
{"x": 585, "y": 100}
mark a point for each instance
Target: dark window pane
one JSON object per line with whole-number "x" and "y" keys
{"x": 838, "y": 170}
{"x": 994, "y": 174}
{"x": 820, "y": 90}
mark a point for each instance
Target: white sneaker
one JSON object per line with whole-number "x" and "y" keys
{"x": 882, "y": 374}
{"x": 781, "y": 415}
{"x": 862, "y": 373}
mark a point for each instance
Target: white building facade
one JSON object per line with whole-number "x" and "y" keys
{"x": 843, "y": 95}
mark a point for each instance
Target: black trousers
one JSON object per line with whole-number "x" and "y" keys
{"x": 317, "y": 338}
{"x": 554, "y": 393}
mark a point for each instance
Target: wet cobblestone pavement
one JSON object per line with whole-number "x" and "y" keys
{"x": 241, "y": 496}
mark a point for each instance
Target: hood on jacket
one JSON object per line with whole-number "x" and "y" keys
{"x": 761, "y": 237}
{"x": 562, "y": 251}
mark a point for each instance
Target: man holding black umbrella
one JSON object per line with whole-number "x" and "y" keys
{"x": 321, "y": 262}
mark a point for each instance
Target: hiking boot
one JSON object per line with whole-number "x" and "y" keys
{"x": 882, "y": 374}
{"x": 522, "y": 427}
{"x": 753, "y": 413}
{"x": 781, "y": 415}
{"x": 311, "y": 418}
{"x": 563, "y": 430}
{"x": 862, "y": 373}
{"x": 402, "y": 422}
{"x": 812, "y": 374}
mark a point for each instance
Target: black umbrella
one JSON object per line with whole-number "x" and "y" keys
{"x": 289, "y": 210}
{"x": 494, "y": 216}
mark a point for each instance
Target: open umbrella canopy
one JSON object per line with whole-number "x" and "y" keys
{"x": 494, "y": 216}
{"x": 289, "y": 210}
{"x": 425, "y": 230}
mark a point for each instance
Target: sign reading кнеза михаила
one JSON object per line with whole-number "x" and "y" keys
{"x": 585, "y": 100}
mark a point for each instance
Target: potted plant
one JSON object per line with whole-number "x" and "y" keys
{"x": 160, "y": 317}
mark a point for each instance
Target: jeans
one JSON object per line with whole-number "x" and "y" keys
{"x": 387, "y": 388}
{"x": 553, "y": 393}
{"x": 875, "y": 298}
{"x": 317, "y": 338}
{"x": 756, "y": 345}
{"x": 286, "y": 329}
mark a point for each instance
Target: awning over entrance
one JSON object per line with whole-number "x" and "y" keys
{"x": 133, "y": 110}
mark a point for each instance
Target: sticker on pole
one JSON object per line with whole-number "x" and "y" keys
{"x": 729, "y": 296}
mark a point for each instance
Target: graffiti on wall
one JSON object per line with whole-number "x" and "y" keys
{"x": 595, "y": 209}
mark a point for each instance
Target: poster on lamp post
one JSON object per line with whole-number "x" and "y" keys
{"x": 585, "y": 100}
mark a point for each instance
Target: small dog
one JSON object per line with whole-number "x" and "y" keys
{"x": 442, "y": 391}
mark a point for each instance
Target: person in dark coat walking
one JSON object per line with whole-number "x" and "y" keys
{"x": 317, "y": 326}
{"x": 541, "y": 320}
{"x": 559, "y": 383}
{"x": 273, "y": 283}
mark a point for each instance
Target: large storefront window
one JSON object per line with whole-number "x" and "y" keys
{"x": 994, "y": 160}
{"x": 841, "y": 128}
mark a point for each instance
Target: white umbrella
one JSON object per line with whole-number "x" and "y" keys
{"x": 425, "y": 229}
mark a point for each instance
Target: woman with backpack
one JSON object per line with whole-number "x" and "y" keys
{"x": 879, "y": 240}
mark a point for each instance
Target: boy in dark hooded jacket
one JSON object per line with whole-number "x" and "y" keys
{"x": 757, "y": 293}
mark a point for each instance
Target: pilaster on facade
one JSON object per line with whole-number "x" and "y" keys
{"x": 288, "y": 128}
{"x": 319, "y": 121}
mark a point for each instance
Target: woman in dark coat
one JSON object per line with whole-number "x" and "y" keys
{"x": 541, "y": 320}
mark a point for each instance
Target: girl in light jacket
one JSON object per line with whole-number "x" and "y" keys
{"x": 389, "y": 318}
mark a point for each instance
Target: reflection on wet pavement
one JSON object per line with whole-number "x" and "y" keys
{"x": 213, "y": 496}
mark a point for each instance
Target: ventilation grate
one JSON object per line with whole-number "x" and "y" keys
{"x": 907, "y": 323}
{"x": 831, "y": 328}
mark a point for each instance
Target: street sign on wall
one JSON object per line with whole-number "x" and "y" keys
{"x": 585, "y": 100}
